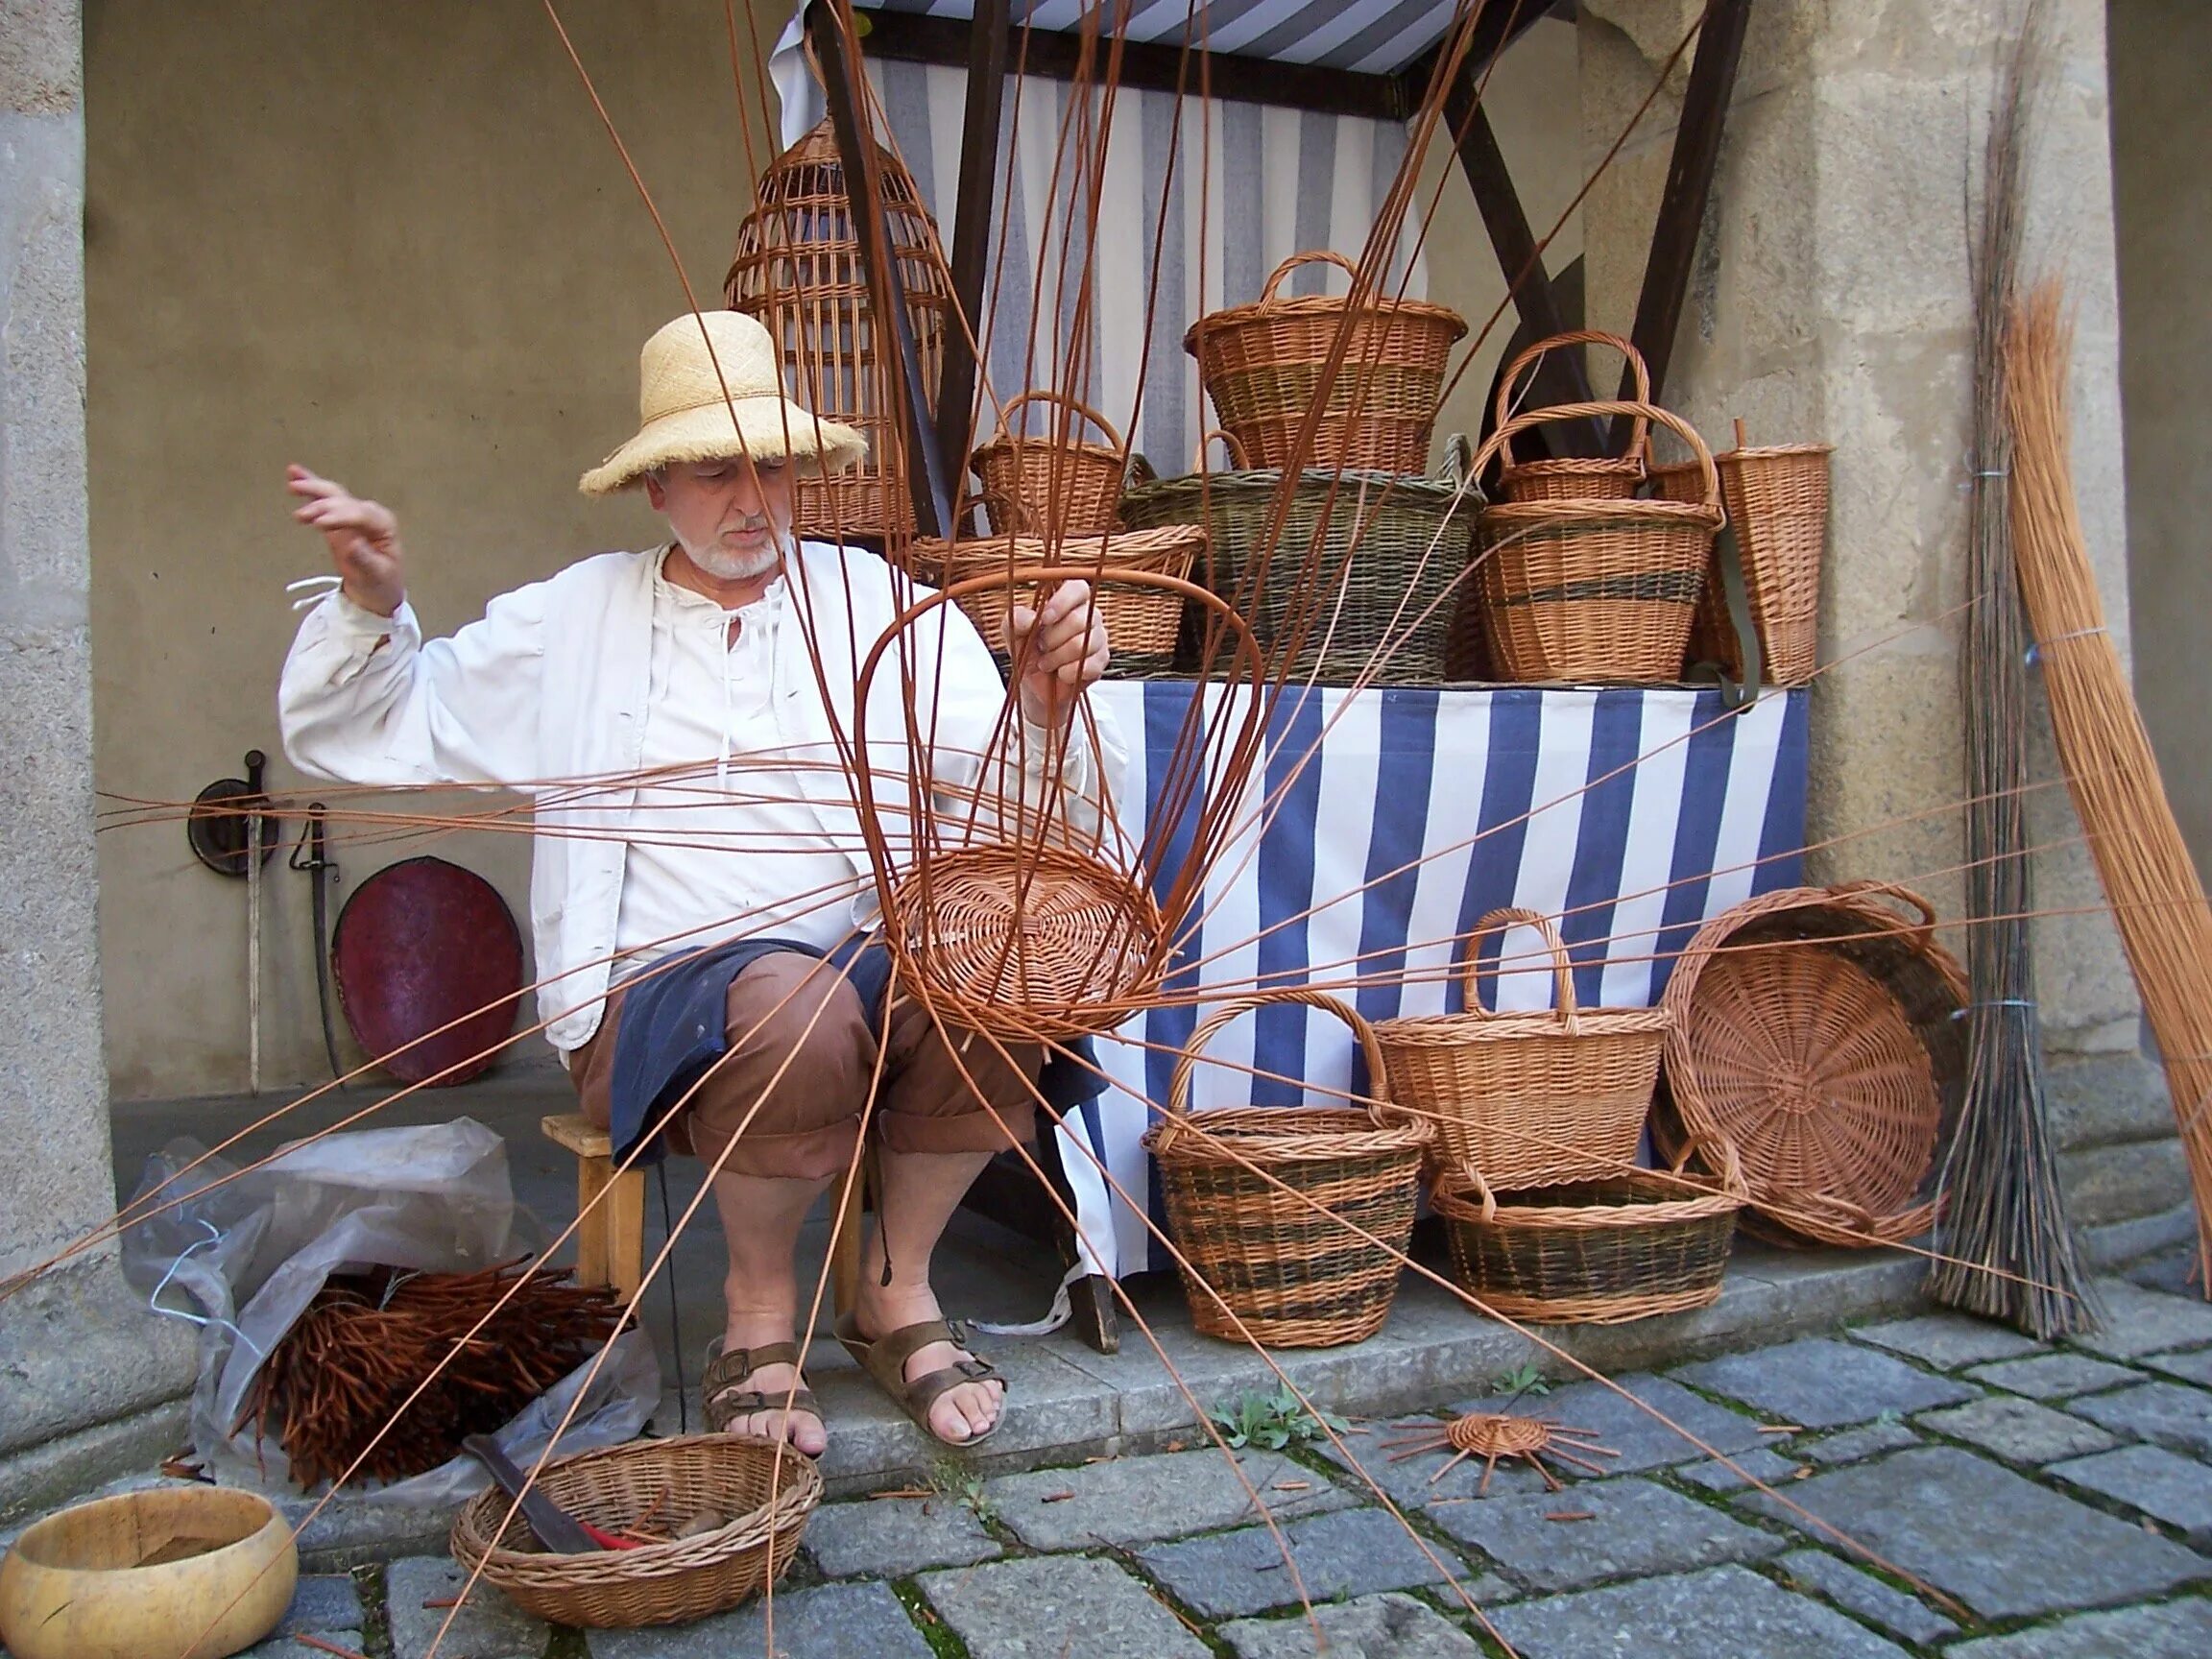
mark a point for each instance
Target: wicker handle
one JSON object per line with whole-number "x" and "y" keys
{"x": 1320, "y": 255}
{"x": 1562, "y": 968}
{"x": 1459, "y": 464}
{"x": 1006, "y": 432}
{"x": 1889, "y": 890}
{"x": 1237, "y": 450}
{"x": 1639, "y": 433}
{"x": 1496, "y": 443}
{"x": 1715, "y": 1149}
{"x": 1179, "y": 1083}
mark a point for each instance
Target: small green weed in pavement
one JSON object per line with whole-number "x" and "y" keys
{"x": 1271, "y": 1421}
{"x": 1527, "y": 1380}
{"x": 962, "y": 1485}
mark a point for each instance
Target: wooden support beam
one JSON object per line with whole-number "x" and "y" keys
{"x": 1688, "y": 186}
{"x": 972, "y": 218}
{"x": 926, "y": 478}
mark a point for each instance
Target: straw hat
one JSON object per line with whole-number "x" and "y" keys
{"x": 684, "y": 414}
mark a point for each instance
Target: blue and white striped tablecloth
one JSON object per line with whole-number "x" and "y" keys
{"x": 1635, "y": 812}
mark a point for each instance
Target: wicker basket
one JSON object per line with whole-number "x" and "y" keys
{"x": 1813, "y": 1030}
{"x": 1288, "y": 1264}
{"x": 798, "y": 268}
{"x": 1590, "y": 590}
{"x": 1263, "y": 364}
{"x": 1052, "y": 486}
{"x": 1142, "y": 621}
{"x": 1386, "y": 551}
{"x": 1573, "y": 477}
{"x": 1777, "y": 496}
{"x": 768, "y": 1489}
{"x": 1636, "y": 1245}
{"x": 1526, "y": 1099}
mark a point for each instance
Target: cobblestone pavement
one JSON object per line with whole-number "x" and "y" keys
{"x": 2027, "y": 1502}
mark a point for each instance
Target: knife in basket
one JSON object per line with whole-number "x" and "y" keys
{"x": 557, "y": 1530}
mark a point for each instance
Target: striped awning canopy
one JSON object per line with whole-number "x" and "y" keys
{"x": 1367, "y": 37}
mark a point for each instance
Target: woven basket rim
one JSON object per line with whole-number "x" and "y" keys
{"x": 1610, "y": 510}
{"x": 1267, "y": 480}
{"x": 1021, "y": 548}
{"x": 1450, "y": 1196}
{"x": 1469, "y": 1027}
{"x": 1263, "y": 312}
{"x": 753, "y": 1530}
{"x": 1307, "y": 1134}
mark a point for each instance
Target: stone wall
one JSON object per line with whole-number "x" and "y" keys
{"x": 1831, "y": 300}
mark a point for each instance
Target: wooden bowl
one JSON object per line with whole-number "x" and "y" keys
{"x": 137, "y": 1576}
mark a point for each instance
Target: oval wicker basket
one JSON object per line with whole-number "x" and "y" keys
{"x": 1140, "y": 621}
{"x": 767, "y": 1489}
{"x": 1636, "y": 1245}
{"x": 1813, "y": 1031}
{"x": 1573, "y": 477}
{"x": 1263, "y": 1202}
{"x": 798, "y": 268}
{"x": 1586, "y": 590}
{"x": 1776, "y": 498}
{"x": 1263, "y": 365}
{"x": 1051, "y": 485}
{"x": 1526, "y": 1099}
{"x": 1387, "y": 549}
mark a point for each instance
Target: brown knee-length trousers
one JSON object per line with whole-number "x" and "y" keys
{"x": 800, "y": 1052}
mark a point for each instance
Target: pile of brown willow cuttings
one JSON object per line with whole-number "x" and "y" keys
{"x": 367, "y": 1341}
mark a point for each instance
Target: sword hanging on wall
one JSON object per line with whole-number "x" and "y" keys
{"x": 312, "y": 854}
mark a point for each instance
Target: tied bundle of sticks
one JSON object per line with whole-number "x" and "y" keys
{"x": 2150, "y": 881}
{"x": 2004, "y": 1208}
{"x": 369, "y": 1339}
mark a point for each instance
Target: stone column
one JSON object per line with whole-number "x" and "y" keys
{"x": 1832, "y": 300}
{"x": 80, "y": 1360}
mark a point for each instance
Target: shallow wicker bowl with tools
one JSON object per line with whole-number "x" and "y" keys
{"x": 713, "y": 1519}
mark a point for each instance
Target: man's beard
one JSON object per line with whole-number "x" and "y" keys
{"x": 727, "y": 566}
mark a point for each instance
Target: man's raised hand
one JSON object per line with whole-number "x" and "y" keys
{"x": 364, "y": 539}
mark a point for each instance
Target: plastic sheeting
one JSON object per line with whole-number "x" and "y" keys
{"x": 251, "y": 1254}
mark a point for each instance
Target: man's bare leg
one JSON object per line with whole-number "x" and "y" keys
{"x": 921, "y": 1191}
{"x": 761, "y": 1220}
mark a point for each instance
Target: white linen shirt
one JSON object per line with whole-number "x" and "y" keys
{"x": 553, "y": 685}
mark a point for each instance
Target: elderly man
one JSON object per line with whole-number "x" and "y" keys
{"x": 700, "y": 690}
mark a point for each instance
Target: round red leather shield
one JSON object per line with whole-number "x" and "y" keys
{"x": 418, "y": 946}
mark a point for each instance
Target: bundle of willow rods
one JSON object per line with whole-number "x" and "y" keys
{"x": 2004, "y": 1231}
{"x": 2150, "y": 881}
{"x": 367, "y": 1341}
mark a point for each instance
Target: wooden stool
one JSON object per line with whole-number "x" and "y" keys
{"x": 611, "y": 1238}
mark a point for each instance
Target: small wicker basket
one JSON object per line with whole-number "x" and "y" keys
{"x": 1573, "y": 477}
{"x": 766, "y": 1488}
{"x": 1636, "y": 1245}
{"x": 1141, "y": 620}
{"x": 1263, "y": 365}
{"x": 1268, "y": 1205}
{"x": 1593, "y": 589}
{"x": 1052, "y": 486}
{"x": 1814, "y": 1031}
{"x": 1526, "y": 1099}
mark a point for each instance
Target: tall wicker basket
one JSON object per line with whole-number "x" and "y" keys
{"x": 1573, "y": 477}
{"x": 798, "y": 268}
{"x": 1261, "y": 364}
{"x": 1050, "y": 485}
{"x": 1814, "y": 1030}
{"x": 1296, "y": 1218}
{"x": 1526, "y": 1099}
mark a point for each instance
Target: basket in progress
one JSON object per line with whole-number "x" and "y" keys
{"x": 1593, "y": 589}
{"x": 798, "y": 268}
{"x": 1350, "y": 580}
{"x": 1813, "y": 1031}
{"x": 1053, "y": 485}
{"x": 1776, "y": 498}
{"x": 1263, "y": 364}
{"x": 766, "y": 1488}
{"x": 1573, "y": 478}
{"x": 1526, "y": 1099}
{"x": 1268, "y": 1205}
{"x": 1636, "y": 1245}
{"x": 1141, "y": 620}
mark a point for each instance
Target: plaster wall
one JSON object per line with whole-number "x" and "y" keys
{"x": 395, "y": 245}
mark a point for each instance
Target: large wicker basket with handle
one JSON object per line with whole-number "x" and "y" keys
{"x": 1814, "y": 1031}
{"x": 1526, "y": 1099}
{"x": 1055, "y": 484}
{"x": 1292, "y": 1222}
{"x": 1263, "y": 364}
{"x": 1573, "y": 477}
{"x": 1599, "y": 589}
{"x": 766, "y": 1490}
{"x": 1638, "y": 1244}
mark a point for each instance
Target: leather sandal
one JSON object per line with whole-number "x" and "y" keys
{"x": 724, "y": 1399}
{"x": 885, "y": 1361}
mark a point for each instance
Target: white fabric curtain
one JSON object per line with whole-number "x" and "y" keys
{"x": 1252, "y": 185}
